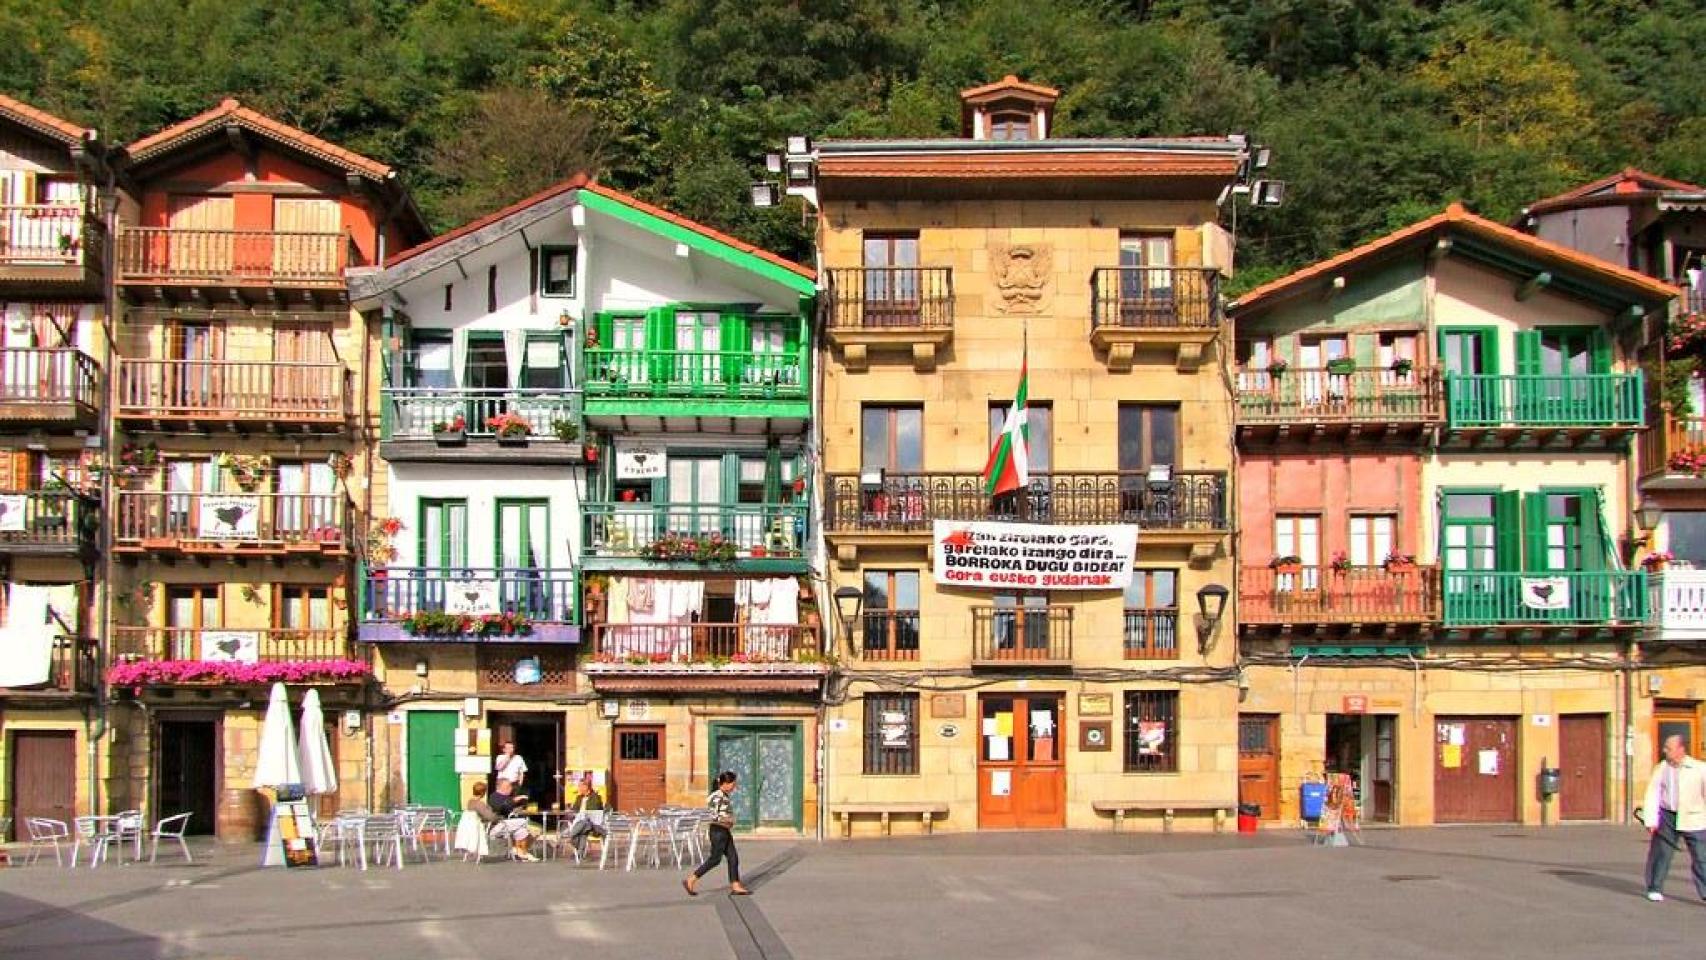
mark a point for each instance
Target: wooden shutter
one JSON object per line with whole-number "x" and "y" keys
{"x": 1365, "y": 349}
{"x": 1507, "y": 535}
{"x": 1596, "y": 542}
{"x": 1534, "y": 531}
{"x": 660, "y": 343}
{"x": 1528, "y": 352}
{"x": 735, "y": 341}
{"x": 1599, "y": 352}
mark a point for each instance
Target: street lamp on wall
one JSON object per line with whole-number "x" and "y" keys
{"x": 1211, "y": 606}
{"x": 848, "y": 601}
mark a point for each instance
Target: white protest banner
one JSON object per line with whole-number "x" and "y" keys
{"x": 1034, "y": 556}
{"x": 12, "y": 512}
{"x": 237, "y": 646}
{"x": 228, "y": 518}
{"x": 640, "y": 461}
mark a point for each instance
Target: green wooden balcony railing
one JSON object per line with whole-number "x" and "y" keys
{"x": 755, "y": 530}
{"x": 695, "y": 374}
{"x": 410, "y": 413}
{"x": 1544, "y": 400}
{"x": 1475, "y": 598}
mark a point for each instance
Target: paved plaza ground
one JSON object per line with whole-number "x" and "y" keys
{"x": 1505, "y": 893}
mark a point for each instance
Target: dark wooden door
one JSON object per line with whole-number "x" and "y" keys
{"x": 1477, "y": 781}
{"x": 639, "y": 768}
{"x": 1258, "y": 762}
{"x": 1021, "y": 775}
{"x": 1581, "y": 760}
{"x": 188, "y": 762}
{"x": 44, "y": 777}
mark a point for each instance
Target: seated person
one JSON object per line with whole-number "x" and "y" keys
{"x": 513, "y": 832}
{"x": 504, "y": 800}
{"x": 587, "y": 802}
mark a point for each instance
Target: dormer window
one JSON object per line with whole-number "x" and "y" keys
{"x": 1010, "y": 125}
{"x": 1009, "y": 109}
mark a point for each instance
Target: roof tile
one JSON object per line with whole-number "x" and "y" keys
{"x": 231, "y": 110}
{"x": 42, "y": 120}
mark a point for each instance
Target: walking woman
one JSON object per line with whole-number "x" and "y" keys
{"x": 722, "y": 813}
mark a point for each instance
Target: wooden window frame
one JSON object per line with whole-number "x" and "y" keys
{"x": 880, "y": 761}
{"x": 1147, "y": 620}
{"x": 1375, "y": 559}
{"x": 891, "y": 650}
{"x": 546, "y": 252}
{"x": 297, "y": 595}
{"x": 1150, "y": 706}
{"x": 890, "y": 411}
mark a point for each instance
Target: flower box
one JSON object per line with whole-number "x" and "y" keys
{"x": 1341, "y": 366}
{"x": 450, "y": 438}
{"x": 512, "y": 439}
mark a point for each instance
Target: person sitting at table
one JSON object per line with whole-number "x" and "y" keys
{"x": 499, "y": 827}
{"x": 587, "y": 803}
{"x": 504, "y": 800}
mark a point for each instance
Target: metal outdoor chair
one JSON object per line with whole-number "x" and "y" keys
{"x": 435, "y": 821}
{"x": 44, "y": 833}
{"x": 171, "y": 828}
{"x": 411, "y": 822}
{"x": 127, "y": 828}
{"x": 383, "y": 835}
{"x": 618, "y": 837}
{"x": 91, "y": 831}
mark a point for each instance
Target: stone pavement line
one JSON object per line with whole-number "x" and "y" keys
{"x": 749, "y": 932}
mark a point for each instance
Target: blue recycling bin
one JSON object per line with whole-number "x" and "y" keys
{"x": 1314, "y": 800}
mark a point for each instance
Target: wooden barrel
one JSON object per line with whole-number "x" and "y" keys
{"x": 241, "y": 817}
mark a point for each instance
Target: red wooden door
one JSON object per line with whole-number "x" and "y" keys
{"x": 638, "y": 770}
{"x": 1021, "y": 771}
{"x": 44, "y": 776}
{"x": 1475, "y": 779}
{"x": 1258, "y": 762}
{"x": 1581, "y": 760}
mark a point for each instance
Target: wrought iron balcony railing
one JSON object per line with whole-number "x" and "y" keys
{"x": 277, "y": 644}
{"x": 181, "y": 255}
{"x": 889, "y": 298}
{"x": 1021, "y": 635}
{"x": 684, "y": 531}
{"x": 1141, "y": 298}
{"x": 1352, "y": 595}
{"x": 1544, "y": 400}
{"x": 1373, "y": 394}
{"x": 1183, "y": 500}
{"x": 256, "y": 391}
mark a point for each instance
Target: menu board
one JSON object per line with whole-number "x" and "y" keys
{"x": 295, "y": 828}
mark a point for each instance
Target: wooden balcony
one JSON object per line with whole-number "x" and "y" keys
{"x": 1364, "y": 404}
{"x": 393, "y": 600}
{"x": 1176, "y": 309}
{"x": 172, "y": 264}
{"x": 638, "y": 535}
{"x": 1591, "y": 600}
{"x": 777, "y": 659}
{"x": 1021, "y": 636}
{"x": 49, "y": 388}
{"x": 275, "y": 645}
{"x": 235, "y": 524}
{"x": 45, "y": 523}
{"x": 1543, "y": 410}
{"x": 1151, "y": 634}
{"x": 1670, "y": 448}
{"x": 411, "y": 417}
{"x": 691, "y": 384}
{"x": 888, "y": 635}
{"x": 73, "y": 669}
{"x": 907, "y": 310}
{"x": 1679, "y": 605}
{"x": 1187, "y": 508}
{"x": 50, "y": 248}
{"x": 1354, "y": 597}
{"x": 260, "y": 395}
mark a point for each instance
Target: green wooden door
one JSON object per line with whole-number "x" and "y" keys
{"x": 1471, "y": 359}
{"x": 766, "y": 760}
{"x": 432, "y": 759}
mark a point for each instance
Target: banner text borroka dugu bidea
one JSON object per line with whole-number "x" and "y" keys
{"x": 1034, "y": 556}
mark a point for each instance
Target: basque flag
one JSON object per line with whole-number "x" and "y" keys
{"x": 1009, "y": 466}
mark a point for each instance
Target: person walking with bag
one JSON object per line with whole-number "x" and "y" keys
{"x": 722, "y": 811}
{"x": 1675, "y": 806}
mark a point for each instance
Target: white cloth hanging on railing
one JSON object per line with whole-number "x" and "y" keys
{"x": 515, "y": 356}
{"x": 459, "y": 357}
{"x": 27, "y": 637}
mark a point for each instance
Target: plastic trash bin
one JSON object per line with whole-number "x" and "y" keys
{"x": 1249, "y": 817}
{"x": 1314, "y": 800}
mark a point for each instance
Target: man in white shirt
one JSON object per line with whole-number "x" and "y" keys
{"x": 1675, "y": 807}
{"x": 510, "y": 766}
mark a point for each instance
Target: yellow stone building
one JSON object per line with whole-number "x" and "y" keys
{"x": 946, "y": 265}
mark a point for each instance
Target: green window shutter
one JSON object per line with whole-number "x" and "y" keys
{"x": 1489, "y": 340}
{"x": 1528, "y": 352}
{"x": 794, "y": 364}
{"x": 1507, "y": 533}
{"x": 1534, "y": 531}
{"x": 736, "y": 344}
{"x": 605, "y": 325}
{"x": 1365, "y": 348}
{"x": 660, "y": 343}
{"x": 1599, "y": 352}
{"x": 1596, "y": 543}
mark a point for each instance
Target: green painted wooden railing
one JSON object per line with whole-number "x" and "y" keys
{"x": 1544, "y": 400}
{"x": 695, "y": 374}
{"x": 1572, "y": 598}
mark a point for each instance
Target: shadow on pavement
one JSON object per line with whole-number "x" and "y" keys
{"x": 36, "y": 929}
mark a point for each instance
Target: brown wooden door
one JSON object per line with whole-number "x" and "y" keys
{"x": 1258, "y": 762}
{"x": 638, "y": 771}
{"x": 1581, "y": 760}
{"x": 1021, "y": 771}
{"x": 188, "y": 772}
{"x": 1477, "y": 781}
{"x": 44, "y": 776}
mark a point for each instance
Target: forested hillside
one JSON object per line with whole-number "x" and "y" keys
{"x": 1378, "y": 110}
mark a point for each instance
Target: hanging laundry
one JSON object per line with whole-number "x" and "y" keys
{"x": 642, "y": 593}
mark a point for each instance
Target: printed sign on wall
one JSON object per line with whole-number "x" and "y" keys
{"x": 229, "y": 518}
{"x": 1007, "y": 556}
{"x": 640, "y": 461}
{"x": 239, "y": 646}
{"x": 471, "y": 596}
{"x": 12, "y": 513}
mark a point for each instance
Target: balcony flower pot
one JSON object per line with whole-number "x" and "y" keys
{"x": 450, "y": 438}
{"x": 1341, "y": 366}
{"x": 1287, "y": 566}
{"x": 758, "y": 552}
{"x": 590, "y": 452}
{"x": 512, "y": 439}
{"x": 1400, "y": 564}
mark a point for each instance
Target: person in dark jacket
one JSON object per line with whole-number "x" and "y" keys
{"x": 721, "y": 808}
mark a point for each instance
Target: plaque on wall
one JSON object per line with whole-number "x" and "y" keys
{"x": 1095, "y": 704}
{"x": 1095, "y": 735}
{"x": 947, "y": 706}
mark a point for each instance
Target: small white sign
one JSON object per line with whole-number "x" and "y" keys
{"x": 467, "y": 764}
{"x": 228, "y": 518}
{"x": 471, "y": 706}
{"x": 1543, "y": 719}
{"x": 640, "y": 461}
{"x": 1546, "y": 593}
{"x": 394, "y": 718}
{"x": 838, "y": 724}
{"x": 1488, "y": 762}
{"x": 473, "y": 597}
{"x": 232, "y": 646}
{"x": 12, "y": 513}
{"x": 1000, "y": 783}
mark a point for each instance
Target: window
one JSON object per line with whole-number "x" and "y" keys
{"x": 1299, "y": 535}
{"x": 1372, "y": 538}
{"x": 1152, "y": 615}
{"x": 1152, "y": 731}
{"x": 1395, "y": 347}
{"x": 1685, "y": 535}
{"x": 892, "y": 439}
{"x": 189, "y": 611}
{"x": 307, "y": 503}
{"x": 542, "y": 366}
{"x": 890, "y": 627}
{"x": 891, "y": 279}
{"x": 1010, "y": 125}
{"x": 698, "y": 342}
{"x": 891, "y": 734}
{"x": 1039, "y": 424}
{"x": 487, "y": 365}
{"x": 557, "y": 271}
{"x": 1471, "y": 533}
{"x": 444, "y": 535}
{"x": 1148, "y": 436}
{"x": 1146, "y": 272}
{"x": 302, "y": 608}
{"x": 1469, "y": 350}
{"x": 1020, "y": 623}
{"x": 433, "y": 363}
{"x": 1256, "y": 355}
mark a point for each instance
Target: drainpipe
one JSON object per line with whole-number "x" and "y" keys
{"x": 1628, "y": 729}
{"x": 1415, "y": 689}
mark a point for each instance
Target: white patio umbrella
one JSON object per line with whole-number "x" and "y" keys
{"x": 313, "y": 752}
{"x": 276, "y": 765}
